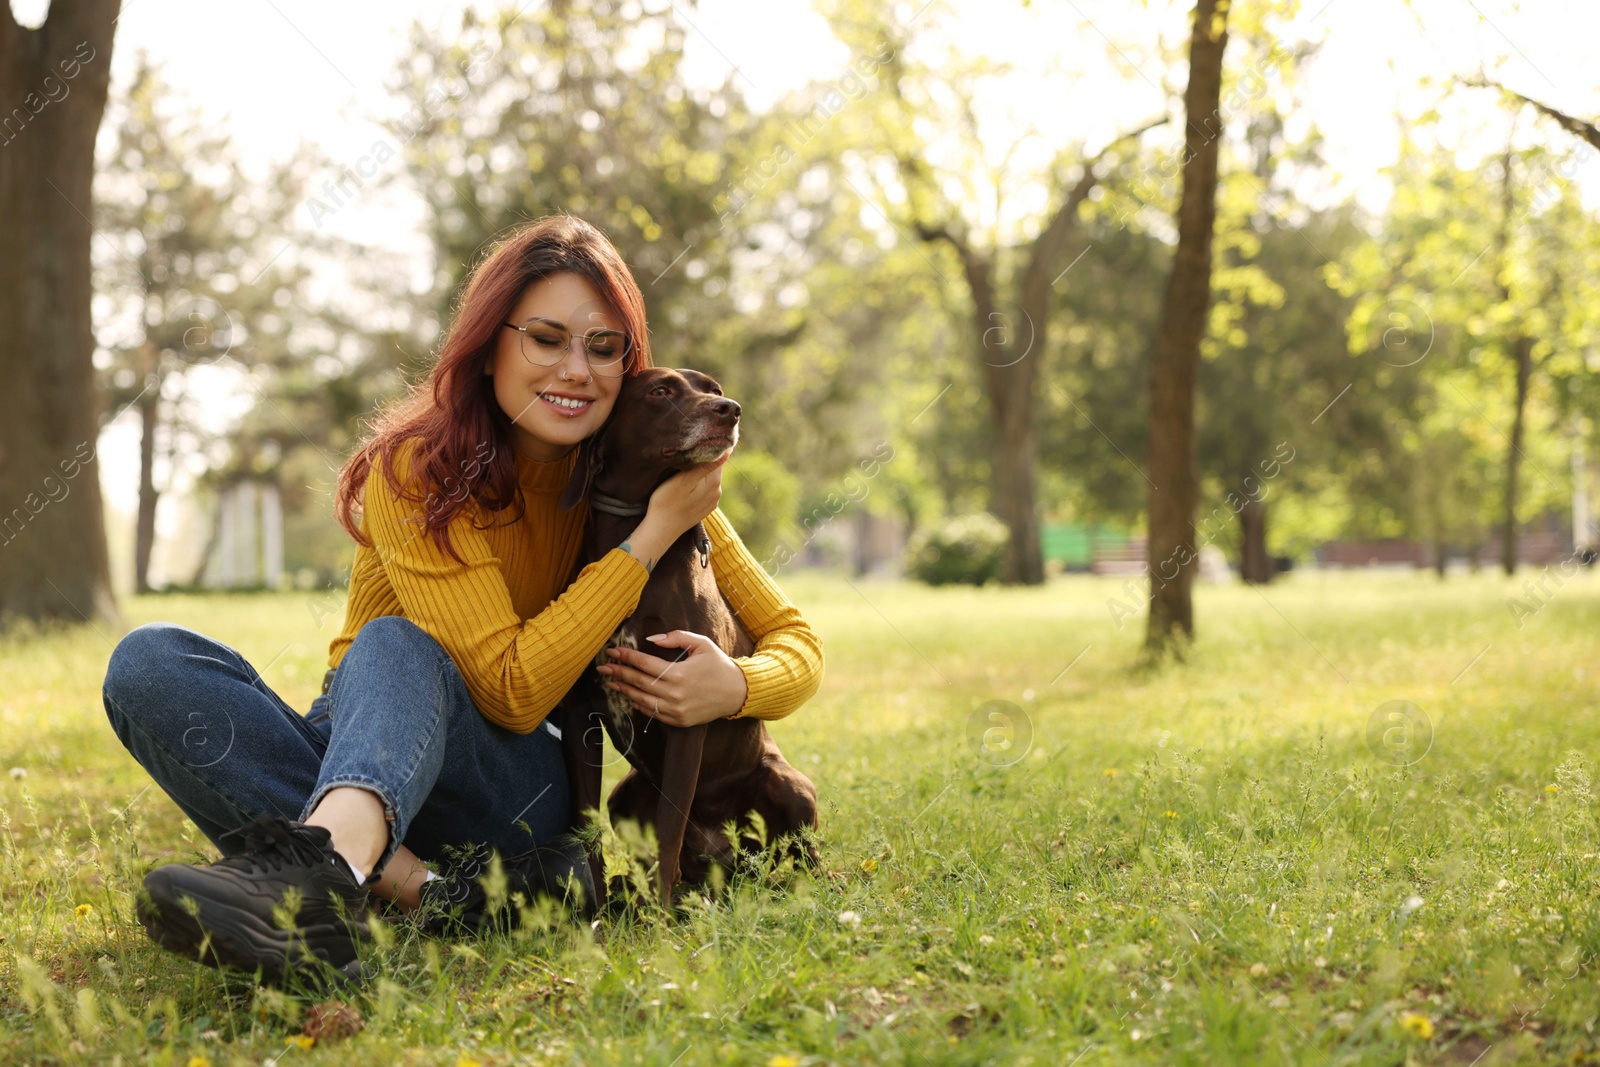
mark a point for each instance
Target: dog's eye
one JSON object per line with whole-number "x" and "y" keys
{"x": 660, "y": 390}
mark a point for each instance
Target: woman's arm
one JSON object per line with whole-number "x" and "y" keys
{"x": 517, "y": 671}
{"x": 783, "y": 672}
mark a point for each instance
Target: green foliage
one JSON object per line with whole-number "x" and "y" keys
{"x": 969, "y": 549}
{"x": 780, "y": 250}
{"x": 760, "y": 498}
{"x": 220, "y": 280}
{"x": 1468, "y": 259}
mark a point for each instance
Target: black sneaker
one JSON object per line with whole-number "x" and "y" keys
{"x": 456, "y": 902}
{"x": 223, "y": 915}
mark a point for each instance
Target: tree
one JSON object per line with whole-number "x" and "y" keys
{"x": 1010, "y": 374}
{"x": 1006, "y": 280}
{"x": 173, "y": 278}
{"x": 1523, "y": 346}
{"x": 1501, "y": 295}
{"x": 1175, "y": 358}
{"x": 202, "y": 273}
{"x": 53, "y": 561}
{"x": 1277, "y": 366}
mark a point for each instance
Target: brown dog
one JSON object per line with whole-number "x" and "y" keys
{"x": 685, "y": 781}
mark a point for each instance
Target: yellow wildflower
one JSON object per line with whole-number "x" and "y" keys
{"x": 1552, "y": 789}
{"x": 1418, "y": 1026}
{"x": 1170, "y": 814}
{"x": 869, "y": 865}
{"x": 464, "y": 1062}
{"x": 784, "y": 1061}
{"x": 199, "y": 1061}
{"x": 1109, "y": 772}
{"x": 302, "y": 1041}
{"x": 83, "y": 911}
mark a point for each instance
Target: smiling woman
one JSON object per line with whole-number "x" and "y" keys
{"x": 550, "y": 409}
{"x": 460, "y": 637}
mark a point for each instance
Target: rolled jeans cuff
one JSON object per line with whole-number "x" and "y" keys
{"x": 390, "y": 814}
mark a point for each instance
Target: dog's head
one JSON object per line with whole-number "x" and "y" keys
{"x": 663, "y": 421}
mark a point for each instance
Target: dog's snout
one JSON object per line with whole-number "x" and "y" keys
{"x": 727, "y": 409}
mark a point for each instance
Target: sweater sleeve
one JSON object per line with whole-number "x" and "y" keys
{"x": 786, "y": 668}
{"x": 515, "y": 670}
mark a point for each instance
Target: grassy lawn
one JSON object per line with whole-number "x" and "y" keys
{"x": 1212, "y": 863}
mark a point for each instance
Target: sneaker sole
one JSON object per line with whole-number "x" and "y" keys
{"x": 238, "y": 938}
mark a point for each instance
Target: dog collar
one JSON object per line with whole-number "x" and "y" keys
{"x": 599, "y": 501}
{"x": 611, "y": 505}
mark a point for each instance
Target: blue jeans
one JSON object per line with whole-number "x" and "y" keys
{"x": 395, "y": 719}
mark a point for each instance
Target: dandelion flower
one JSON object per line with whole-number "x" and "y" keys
{"x": 869, "y": 865}
{"x": 1170, "y": 814}
{"x": 199, "y": 1061}
{"x": 464, "y": 1062}
{"x": 302, "y": 1041}
{"x": 784, "y": 1061}
{"x": 1552, "y": 789}
{"x": 1109, "y": 772}
{"x": 83, "y": 911}
{"x": 1418, "y": 1026}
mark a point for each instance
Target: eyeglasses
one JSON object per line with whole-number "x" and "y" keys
{"x": 546, "y": 343}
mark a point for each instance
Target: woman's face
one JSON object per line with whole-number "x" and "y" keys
{"x": 543, "y": 427}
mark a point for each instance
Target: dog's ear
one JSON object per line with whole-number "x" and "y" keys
{"x": 583, "y": 474}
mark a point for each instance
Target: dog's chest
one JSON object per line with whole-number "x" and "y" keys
{"x": 618, "y": 706}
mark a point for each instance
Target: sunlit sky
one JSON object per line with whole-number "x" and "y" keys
{"x": 275, "y": 72}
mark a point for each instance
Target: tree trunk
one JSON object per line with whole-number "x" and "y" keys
{"x": 1523, "y": 354}
{"x": 1013, "y": 489}
{"x": 1255, "y": 566}
{"x": 199, "y": 575}
{"x": 53, "y": 81}
{"x": 1010, "y": 365}
{"x": 1176, "y": 357}
{"x": 1009, "y": 371}
{"x": 144, "y": 537}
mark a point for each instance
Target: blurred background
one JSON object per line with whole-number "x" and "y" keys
{"x": 925, "y": 245}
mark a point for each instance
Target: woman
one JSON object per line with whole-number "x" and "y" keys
{"x": 455, "y": 645}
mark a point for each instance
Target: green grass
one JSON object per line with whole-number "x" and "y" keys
{"x": 1203, "y": 864}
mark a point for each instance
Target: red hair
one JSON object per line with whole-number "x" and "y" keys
{"x": 453, "y": 414}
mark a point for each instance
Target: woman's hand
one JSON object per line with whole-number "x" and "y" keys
{"x": 706, "y": 685}
{"x": 687, "y": 497}
{"x": 677, "y": 504}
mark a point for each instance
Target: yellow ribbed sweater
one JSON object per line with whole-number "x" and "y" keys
{"x": 518, "y": 645}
